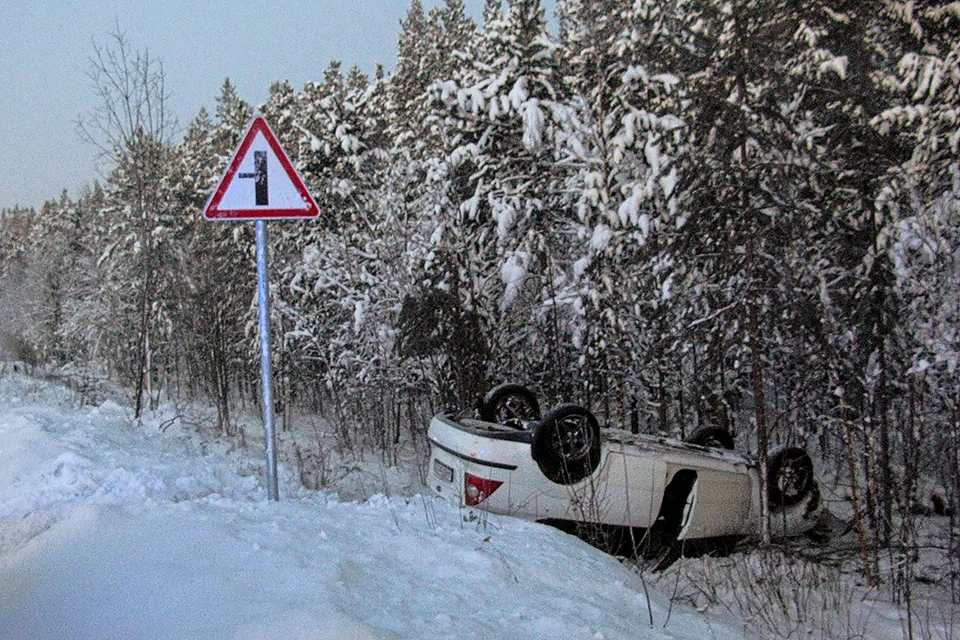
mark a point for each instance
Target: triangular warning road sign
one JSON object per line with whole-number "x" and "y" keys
{"x": 260, "y": 182}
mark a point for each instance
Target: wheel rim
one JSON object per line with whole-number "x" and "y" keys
{"x": 566, "y": 444}
{"x": 572, "y": 437}
{"x": 792, "y": 479}
{"x": 514, "y": 408}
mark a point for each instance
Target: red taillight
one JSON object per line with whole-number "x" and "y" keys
{"x": 476, "y": 490}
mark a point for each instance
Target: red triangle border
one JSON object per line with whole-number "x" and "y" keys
{"x": 212, "y": 210}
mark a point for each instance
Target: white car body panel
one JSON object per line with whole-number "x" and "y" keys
{"x": 626, "y": 489}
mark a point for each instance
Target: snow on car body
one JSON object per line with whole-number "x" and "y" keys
{"x": 677, "y": 490}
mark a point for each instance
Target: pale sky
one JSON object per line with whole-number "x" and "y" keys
{"x": 46, "y": 46}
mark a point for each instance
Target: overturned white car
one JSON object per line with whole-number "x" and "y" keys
{"x": 656, "y": 494}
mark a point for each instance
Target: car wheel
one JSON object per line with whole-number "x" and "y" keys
{"x": 789, "y": 477}
{"x": 566, "y": 444}
{"x": 709, "y": 436}
{"x": 510, "y": 404}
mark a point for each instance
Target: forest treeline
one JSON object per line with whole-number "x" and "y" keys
{"x": 677, "y": 212}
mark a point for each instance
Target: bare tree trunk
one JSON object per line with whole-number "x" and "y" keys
{"x": 885, "y": 495}
{"x": 909, "y": 497}
{"x": 220, "y": 372}
{"x": 662, "y": 401}
{"x": 854, "y": 496}
{"x": 681, "y": 407}
{"x": 143, "y": 370}
{"x": 753, "y": 322}
{"x": 760, "y": 411}
{"x": 954, "y": 499}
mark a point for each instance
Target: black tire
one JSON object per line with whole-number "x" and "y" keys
{"x": 789, "y": 477}
{"x": 510, "y": 404}
{"x": 709, "y": 436}
{"x": 566, "y": 444}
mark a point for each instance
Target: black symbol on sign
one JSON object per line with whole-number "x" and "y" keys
{"x": 260, "y": 177}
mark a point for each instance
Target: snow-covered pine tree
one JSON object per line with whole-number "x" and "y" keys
{"x": 56, "y": 249}
{"x": 329, "y": 272}
{"x": 15, "y": 241}
{"x": 281, "y": 111}
{"x": 618, "y": 141}
{"x": 883, "y": 68}
{"x": 493, "y": 118}
{"x": 918, "y": 85}
{"x": 751, "y": 217}
{"x": 593, "y": 65}
{"x": 457, "y": 33}
{"x": 212, "y": 297}
{"x": 408, "y": 81}
{"x": 15, "y": 291}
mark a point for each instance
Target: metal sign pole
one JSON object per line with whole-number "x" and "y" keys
{"x": 278, "y": 193}
{"x": 263, "y": 300}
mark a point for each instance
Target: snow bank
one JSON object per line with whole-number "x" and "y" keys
{"x": 113, "y": 530}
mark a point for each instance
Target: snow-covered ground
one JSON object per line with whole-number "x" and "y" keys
{"x": 113, "y": 529}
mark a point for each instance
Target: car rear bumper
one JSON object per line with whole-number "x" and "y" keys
{"x": 481, "y": 449}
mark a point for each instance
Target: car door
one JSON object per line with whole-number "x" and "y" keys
{"x": 718, "y": 505}
{"x": 630, "y": 486}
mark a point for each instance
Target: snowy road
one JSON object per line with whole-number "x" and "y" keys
{"x": 110, "y": 530}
